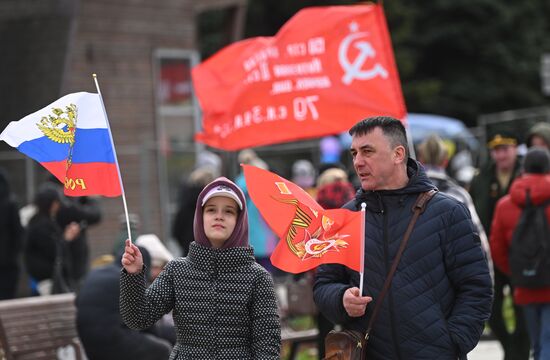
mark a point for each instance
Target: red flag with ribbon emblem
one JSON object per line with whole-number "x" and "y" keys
{"x": 310, "y": 236}
{"x": 326, "y": 69}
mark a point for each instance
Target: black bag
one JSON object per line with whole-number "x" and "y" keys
{"x": 529, "y": 254}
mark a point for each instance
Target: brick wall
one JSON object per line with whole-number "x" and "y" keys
{"x": 54, "y": 46}
{"x": 116, "y": 40}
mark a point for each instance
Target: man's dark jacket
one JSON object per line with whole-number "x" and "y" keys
{"x": 441, "y": 294}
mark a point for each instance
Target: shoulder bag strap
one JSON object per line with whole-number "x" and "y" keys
{"x": 418, "y": 208}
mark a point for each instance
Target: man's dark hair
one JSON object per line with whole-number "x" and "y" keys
{"x": 392, "y": 128}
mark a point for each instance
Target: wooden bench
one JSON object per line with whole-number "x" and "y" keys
{"x": 297, "y": 337}
{"x": 37, "y": 328}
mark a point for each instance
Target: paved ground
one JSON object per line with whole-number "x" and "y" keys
{"x": 486, "y": 350}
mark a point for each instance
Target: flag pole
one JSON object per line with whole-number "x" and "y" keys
{"x": 362, "y": 272}
{"x": 116, "y": 159}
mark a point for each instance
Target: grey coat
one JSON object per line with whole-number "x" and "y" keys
{"x": 223, "y": 305}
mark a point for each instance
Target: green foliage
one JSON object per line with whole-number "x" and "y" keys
{"x": 212, "y": 31}
{"x": 265, "y": 17}
{"x": 463, "y": 58}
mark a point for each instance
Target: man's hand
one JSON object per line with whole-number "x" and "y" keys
{"x": 132, "y": 260}
{"x": 354, "y": 304}
{"x": 71, "y": 231}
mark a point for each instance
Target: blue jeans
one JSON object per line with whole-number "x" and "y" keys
{"x": 537, "y": 317}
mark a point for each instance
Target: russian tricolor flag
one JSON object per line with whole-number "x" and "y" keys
{"x": 72, "y": 140}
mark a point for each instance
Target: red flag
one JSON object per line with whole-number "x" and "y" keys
{"x": 310, "y": 236}
{"x": 326, "y": 69}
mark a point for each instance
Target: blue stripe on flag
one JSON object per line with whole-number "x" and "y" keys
{"x": 91, "y": 145}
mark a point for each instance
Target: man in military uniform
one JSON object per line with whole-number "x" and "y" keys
{"x": 487, "y": 187}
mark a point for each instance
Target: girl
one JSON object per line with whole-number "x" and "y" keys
{"x": 223, "y": 303}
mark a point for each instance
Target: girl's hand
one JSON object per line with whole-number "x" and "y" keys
{"x": 132, "y": 260}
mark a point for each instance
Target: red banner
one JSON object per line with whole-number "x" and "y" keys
{"x": 310, "y": 236}
{"x": 326, "y": 69}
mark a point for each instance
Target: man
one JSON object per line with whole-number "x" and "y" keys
{"x": 440, "y": 295}
{"x": 539, "y": 135}
{"x": 487, "y": 187}
{"x": 85, "y": 211}
{"x": 433, "y": 154}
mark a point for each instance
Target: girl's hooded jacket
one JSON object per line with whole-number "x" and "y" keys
{"x": 223, "y": 302}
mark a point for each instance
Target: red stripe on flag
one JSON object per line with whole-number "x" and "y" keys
{"x": 87, "y": 179}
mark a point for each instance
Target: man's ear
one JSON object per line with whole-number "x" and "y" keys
{"x": 399, "y": 154}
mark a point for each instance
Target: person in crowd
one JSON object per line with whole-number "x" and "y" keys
{"x": 182, "y": 226}
{"x": 11, "y": 241}
{"x": 120, "y": 241}
{"x": 86, "y": 212}
{"x": 433, "y": 154}
{"x": 534, "y": 301}
{"x": 99, "y": 323}
{"x": 224, "y": 302}
{"x": 50, "y": 250}
{"x": 440, "y": 295}
{"x": 160, "y": 255}
{"x": 331, "y": 150}
{"x": 333, "y": 191}
{"x": 332, "y": 174}
{"x": 539, "y": 135}
{"x": 261, "y": 238}
{"x": 487, "y": 187}
{"x": 303, "y": 175}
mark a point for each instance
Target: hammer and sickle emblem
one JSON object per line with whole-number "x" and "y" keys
{"x": 353, "y": 70}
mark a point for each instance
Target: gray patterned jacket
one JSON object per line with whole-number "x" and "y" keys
{"x": 223, "y": 305}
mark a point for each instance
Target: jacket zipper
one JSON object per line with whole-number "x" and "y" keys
{"x": 390, "y": 293}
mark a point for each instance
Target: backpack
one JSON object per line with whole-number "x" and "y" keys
{"x": 529, "y": 253}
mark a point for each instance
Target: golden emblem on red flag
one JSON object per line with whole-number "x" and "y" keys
{"x": 307, "y": 235}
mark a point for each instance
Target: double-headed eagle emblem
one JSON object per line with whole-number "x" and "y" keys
{"x": 61, "y": 127}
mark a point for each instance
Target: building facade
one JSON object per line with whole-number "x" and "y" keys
{"x": 142, "y": 52}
